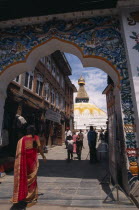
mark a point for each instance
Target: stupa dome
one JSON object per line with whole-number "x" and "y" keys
{"x": 88, "y": 108}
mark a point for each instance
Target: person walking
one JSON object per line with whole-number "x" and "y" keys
{"x": 85, "y": 135}
{"x": 26, "y": 167}
{"x": 70, "y": 143}
{"x": 92, "y": 137}
{"x": 79, "y": 144}
{"x": 106, "y": 136}
{"x": 67, "y": 133}
{"x": 74, "y": 139}
{"x": 101, "y": 135}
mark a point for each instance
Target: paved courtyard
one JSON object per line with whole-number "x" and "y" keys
{"x": 68, "y": 185}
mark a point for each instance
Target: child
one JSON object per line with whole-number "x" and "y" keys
{"x": 70, "y": 143}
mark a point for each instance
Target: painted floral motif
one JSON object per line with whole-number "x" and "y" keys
{"x": 95, "y": 36}
{"x": 135, "y": 36}
{"x": 133, "y": 19}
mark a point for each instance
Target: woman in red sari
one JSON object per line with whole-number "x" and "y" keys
{"x": 74, "y": 139}
{"x": 26, "y": 167}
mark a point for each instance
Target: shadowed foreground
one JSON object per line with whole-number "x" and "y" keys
{"x": 68, "y": 185}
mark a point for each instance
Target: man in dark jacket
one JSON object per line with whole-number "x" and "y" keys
{"x": 92, "y": 137}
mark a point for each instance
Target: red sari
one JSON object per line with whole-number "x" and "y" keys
{"x": 74, "y": 145}
{"x": 25, "y": 170}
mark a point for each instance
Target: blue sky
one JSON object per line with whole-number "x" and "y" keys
{"x": 96, "y": 80}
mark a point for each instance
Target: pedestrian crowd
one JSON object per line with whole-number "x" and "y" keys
{"x": 74, "y": 143}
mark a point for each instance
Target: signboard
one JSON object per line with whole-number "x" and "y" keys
{"x": 53, "y": 116}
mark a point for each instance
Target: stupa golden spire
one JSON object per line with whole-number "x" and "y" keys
{"x": 82, "y": 95}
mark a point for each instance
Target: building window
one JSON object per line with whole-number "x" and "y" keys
{"x": 28, "y": 80}
{"x": 57, "y": 99}
{"x": 61, "y": 103}
{"x": 62, "y": 82}
{"x": 39, "y": 85}
{"x": 52, "y": 96}
{"x": 43, "y": 60}
{"x": 46, "y": 91}
{"x": 57, "y": 76}
{"x": 49, "y": 62}
{"x": 17, "y": 79}
{"x": 54, "y": 70}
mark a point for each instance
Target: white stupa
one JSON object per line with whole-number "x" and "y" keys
{"x": 85, "y": 113}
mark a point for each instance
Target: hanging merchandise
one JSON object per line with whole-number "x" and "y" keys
{"x": 21, "y": 122}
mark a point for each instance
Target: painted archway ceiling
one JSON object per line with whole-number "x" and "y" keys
{"x": 99, "y": 36}
{"x": 14, "y": 9}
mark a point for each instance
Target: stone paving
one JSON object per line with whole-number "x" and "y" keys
{"x": 73, "y": 185}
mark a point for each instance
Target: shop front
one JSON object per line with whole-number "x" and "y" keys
{"x": 54, "y": 126}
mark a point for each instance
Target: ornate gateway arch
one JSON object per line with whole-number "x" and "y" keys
{"x": 96, "y": 39}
